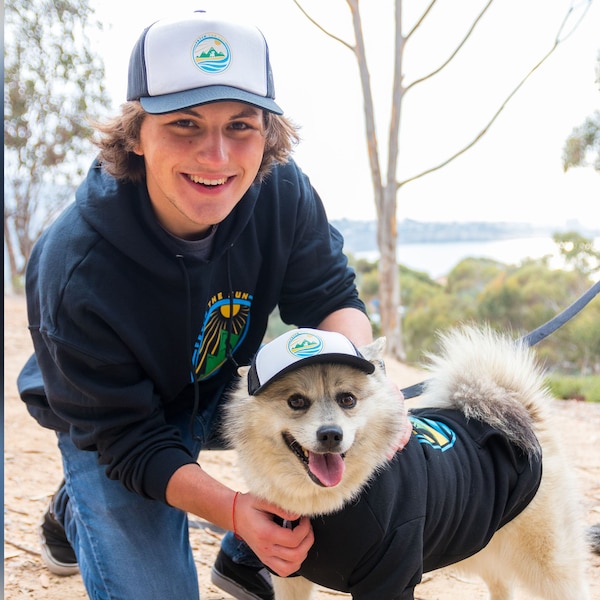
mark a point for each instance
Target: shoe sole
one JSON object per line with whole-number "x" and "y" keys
{"x": 231, "y": 587}
{"x": 56, "y": 567}
{"x": 53, "y": 565}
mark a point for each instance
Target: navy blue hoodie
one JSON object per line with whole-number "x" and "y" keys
{"x": 123, "y": 319}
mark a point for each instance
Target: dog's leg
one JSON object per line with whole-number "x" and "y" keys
{"x": 500, "y": 586}
{"x": 546, "y": 540}
{"x": 546, "y": 578}
{"x": 292, "y": 588}
{"x": 488, "y": 565}
{"x": 499, "y": 590}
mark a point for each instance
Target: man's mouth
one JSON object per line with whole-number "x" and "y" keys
{"x": 325, "y": 469}
{"x": 208, "y": 182}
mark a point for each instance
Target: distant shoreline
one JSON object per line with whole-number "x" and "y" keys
{"x": 361, "y": 236}
{"x": 437, "y": 259}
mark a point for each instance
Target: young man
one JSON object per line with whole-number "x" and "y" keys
{"x": 149, "y": 291}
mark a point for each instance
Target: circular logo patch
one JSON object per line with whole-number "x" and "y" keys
{"x": 302, "y": 345}
{"x": 211, "y": 53}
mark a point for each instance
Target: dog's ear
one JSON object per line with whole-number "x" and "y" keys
{"x": 243, "y": 371}
{"x": 375, "y": 350}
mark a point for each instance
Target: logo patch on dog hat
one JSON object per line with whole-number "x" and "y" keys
{"x": 299, "y": 348}
{"x": 183, "y": 62}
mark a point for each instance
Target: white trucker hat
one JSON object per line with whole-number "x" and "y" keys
{"x": 299, "y": 348}
{"x": 184, "y": 62}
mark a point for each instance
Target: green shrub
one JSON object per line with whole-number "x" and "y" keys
{"x": 575, "y": 387}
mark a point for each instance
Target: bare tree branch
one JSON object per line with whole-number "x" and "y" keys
{"x": 397, "y": 96}
{"x": 369, "y": 109}
{"x": 418, "y": 23}
{"x": 557, "y": 41}
{"x": 321, "y": 28}
{"x": 456, "y": 51}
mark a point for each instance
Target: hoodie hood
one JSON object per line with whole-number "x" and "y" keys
{"x": 122, "y": 214}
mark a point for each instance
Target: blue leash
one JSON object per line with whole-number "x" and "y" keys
{"x": 533, "y": 337}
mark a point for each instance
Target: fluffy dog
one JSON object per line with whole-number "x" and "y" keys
{"x": 314, "y": 421}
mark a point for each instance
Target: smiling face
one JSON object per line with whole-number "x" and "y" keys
{"x": 200, "y": 162}
{"x": 313, "y": 438}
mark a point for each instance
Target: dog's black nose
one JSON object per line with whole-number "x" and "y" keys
{"x": 330, "y": 436}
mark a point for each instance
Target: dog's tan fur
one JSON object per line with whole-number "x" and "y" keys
{"x": 483, "y": 374}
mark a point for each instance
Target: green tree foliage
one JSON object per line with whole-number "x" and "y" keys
{"x": 531, "y": 294}
{"x": 423, "y": 322}
{"x": 582, "y": 147}
{"x": 578, "y": 251}
{"x": 513, "y": 298}
{"x": 53, "y": 83}
{"x": 576, "y": 347}
{"x": 471, "y": 275}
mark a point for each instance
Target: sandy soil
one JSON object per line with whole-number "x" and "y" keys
{"x": 33, "y": 470}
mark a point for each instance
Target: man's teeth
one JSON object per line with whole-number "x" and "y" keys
{"x": 203, "y": 181}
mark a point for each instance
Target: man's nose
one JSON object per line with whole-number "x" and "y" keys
{"x": 213, "y": 148}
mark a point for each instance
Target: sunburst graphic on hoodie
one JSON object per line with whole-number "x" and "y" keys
{"x": 224, "y": 329}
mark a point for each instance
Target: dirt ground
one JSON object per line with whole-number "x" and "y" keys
{"x": 33, "y": 471}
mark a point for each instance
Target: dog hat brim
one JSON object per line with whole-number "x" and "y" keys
{"x": 299, "y": 348}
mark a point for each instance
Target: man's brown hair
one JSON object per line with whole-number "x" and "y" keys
{"x": 120, "y": 135}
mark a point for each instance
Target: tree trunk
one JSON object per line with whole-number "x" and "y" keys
{"x": 389, "y": 282}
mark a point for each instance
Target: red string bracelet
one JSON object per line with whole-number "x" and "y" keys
{"x": 235, "y": 497}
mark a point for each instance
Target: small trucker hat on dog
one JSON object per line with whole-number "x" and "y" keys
{"x": 299, "y": 348}
{"x": 183, "y": 62}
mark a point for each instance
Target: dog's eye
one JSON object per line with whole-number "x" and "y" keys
{"x": 298, "y": 402}
{"x": 346, "y": 400}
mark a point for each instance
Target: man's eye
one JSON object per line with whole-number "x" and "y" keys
{"x": 240, "y": 126}
{"x": 185, "y": 123}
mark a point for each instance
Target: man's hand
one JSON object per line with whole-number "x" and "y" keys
{"x": 282, "y": 550}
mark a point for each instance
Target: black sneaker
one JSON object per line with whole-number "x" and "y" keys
{"x": 57, "y": 553}
{"x": 240, "y": 581}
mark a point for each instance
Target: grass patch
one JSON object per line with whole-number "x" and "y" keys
{"x": 577, "y": 387}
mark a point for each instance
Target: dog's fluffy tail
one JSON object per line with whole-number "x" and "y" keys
{"x": 489, "y": 377}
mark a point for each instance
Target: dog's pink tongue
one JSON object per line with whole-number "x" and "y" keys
{"x": 327, "y": 468}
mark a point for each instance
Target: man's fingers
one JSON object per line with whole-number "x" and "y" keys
{"x": 285, "y": 560}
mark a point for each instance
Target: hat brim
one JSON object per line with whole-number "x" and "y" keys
{"x": 357, "y": 362}
{"x": 214, "y": 93}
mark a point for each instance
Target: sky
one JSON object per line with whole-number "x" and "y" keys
{"x": 513, "y": 174}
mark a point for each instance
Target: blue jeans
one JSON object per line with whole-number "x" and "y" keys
{"x": 129, "y": 547}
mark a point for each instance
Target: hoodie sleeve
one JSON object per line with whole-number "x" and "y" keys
{"x": 318, "y": 279}
{"x": 85, "y": 378}
{"x": 111, "y": 407}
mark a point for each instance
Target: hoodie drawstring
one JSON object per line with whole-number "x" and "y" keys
{"x": 190, "y": 342}
{"x": 228, "y": 349}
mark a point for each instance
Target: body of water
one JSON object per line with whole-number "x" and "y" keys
{"x": 439, "y": 259}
